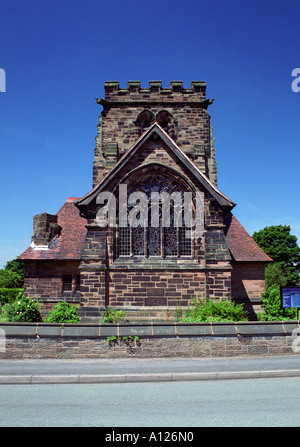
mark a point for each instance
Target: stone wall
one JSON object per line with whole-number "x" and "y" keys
{"x": 248, "y": 280}
{"x": 154, "y": 287}
{"x": 42, "y": 340}
{"x": 162, "y": 282}
{"x": 44, "y": 279}
{"x": 118, "y": 127}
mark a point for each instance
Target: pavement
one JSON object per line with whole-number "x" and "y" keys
{"x": 47, "y": 371}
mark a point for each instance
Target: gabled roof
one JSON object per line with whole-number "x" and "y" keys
{"x": 68, "y": 245}
{"x": 156, "y": 129}
{"x": 241, "y": 245}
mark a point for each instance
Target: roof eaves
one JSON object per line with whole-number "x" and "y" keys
{"x": 221, "y": 198}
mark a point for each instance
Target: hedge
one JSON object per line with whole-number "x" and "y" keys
{"x": 9, "y": 295}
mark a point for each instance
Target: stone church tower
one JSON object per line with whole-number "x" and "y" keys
{"x": 149, "y": 140}
{"x": 181, "y": 112}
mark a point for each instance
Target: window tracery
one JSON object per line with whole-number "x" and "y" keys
{"x": 164, "y": 118}
{"x": 156, "y": 239}
{"x": 144, "y": 120}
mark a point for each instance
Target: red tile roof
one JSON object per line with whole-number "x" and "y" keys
{"x": 68, "y": 245}
{"x": 241, "y": 245}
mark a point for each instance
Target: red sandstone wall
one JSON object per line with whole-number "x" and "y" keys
{"x": 248, "y": 279}
{"x": 154, "y": 288}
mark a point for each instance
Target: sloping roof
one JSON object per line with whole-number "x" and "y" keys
{"x": 158, "y": 130}
{"x": 241, "y": 245}
{"x": 68, "y": 245}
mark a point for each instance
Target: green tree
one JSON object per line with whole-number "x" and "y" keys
{"x": 282, "y": 247}
{"x": 271, "y": 306}
{"x": 275, "y": 275}
{"x": 9, "y": 279}
{"x": 15, "y": 266}
{"x": 12, "y": 276}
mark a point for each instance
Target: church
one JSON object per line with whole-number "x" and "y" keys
{"x": 154, "y": 230}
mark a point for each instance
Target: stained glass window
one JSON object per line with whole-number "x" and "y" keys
{"x": 138, "y": 241}
{"x": 154, "y": 241}
{"x": 124, "y": 241}
{"x": 185, "y": 243}
{"x": 157, "y": 239}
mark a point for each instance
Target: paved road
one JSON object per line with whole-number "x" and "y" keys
{"x": 130, "y": 370}
{"x": 242, "y": 403}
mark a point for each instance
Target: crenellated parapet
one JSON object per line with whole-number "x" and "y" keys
{"x": 134, "y": 87}
{"x": 155, "y": 92}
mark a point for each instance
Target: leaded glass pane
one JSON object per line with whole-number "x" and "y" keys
{"x": 138, "y": 241}
{"x": 159, "y": 238}
{"x": 154, "y": 241}
{"x": 185, "y": 243}
{"x": 124, "y": 241}
{"x": 171, "y": 243}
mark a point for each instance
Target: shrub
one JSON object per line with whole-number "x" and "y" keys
{"x": 208, "y": 310}
{"x": 16, "y": 266}
{"x": 271, "y": 305}
{"x": 274, "y": 275}
{"x": 113, "y": 316}
{"x": 22, "y": 310}
{"x": 63, "y": 312}
{"x": 10, "y": 279}
{"x": 9, "y": 295}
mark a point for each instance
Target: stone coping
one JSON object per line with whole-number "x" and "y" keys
{"x": 149, "y": 330}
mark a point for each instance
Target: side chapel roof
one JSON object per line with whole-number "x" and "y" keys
{"x": 69, "y": 244}
{"x": 241, "y": 245}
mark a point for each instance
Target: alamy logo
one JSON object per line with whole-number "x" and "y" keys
{"x": 296, "y": 82}
{"x": 156, "y": 209}
{"x": 2, "y": 340}
{"x": 2, "y": 80}
{"x": 296, "y": 340}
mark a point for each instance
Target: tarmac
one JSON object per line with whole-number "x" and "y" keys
{"x": 129, "y": 370}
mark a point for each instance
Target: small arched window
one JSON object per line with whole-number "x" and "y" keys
{"x": 144, "y": 120}
{"x": 164, "y": 119}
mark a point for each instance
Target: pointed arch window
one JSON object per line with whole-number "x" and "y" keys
{"x": 144, "y": 120}
{"x": 164, "y": 119}
{"x": 159, "y": 237}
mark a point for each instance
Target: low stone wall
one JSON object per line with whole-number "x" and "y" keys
{"x": 47, "y": 340}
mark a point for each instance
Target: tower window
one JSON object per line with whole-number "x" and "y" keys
{"x": 144, "y": 120}
{"x": 164, "y": 119}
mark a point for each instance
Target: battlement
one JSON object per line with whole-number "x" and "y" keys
{"x": 155, "y": 91}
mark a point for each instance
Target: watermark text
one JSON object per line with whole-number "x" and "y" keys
{"x": 2, "y": 80}
{"x": 296, "y": 340}
{"x": 296, "y": 82}
{"x": 2, "y": 340}
{"x": 179, "y": 209}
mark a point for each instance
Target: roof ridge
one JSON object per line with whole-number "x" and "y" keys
{"x": 181, "y": 155}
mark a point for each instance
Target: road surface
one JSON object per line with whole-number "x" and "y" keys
{"x": 268, "y": 402}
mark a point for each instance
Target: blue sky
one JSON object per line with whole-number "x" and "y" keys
{"x": 58, "y": 54}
